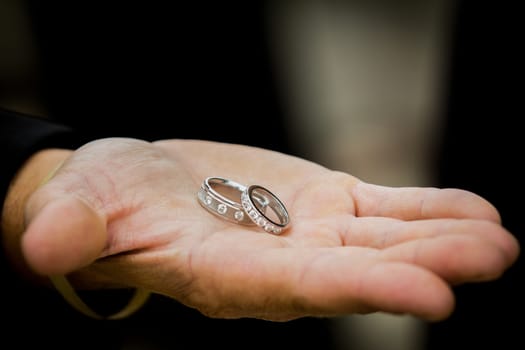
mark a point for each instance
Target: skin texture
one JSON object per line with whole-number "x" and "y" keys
{"x": 123, "y": 212}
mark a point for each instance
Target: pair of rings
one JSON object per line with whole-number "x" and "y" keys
{"x": 245, "y": 205}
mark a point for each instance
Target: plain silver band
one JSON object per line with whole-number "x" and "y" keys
{"x": 259, "y": 216}
{"x": 224, "y": 207}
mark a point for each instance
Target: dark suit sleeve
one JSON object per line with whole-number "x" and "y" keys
{"x": 22, "y": 135}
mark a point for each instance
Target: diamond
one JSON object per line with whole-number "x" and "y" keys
{"x": 222, "y": 208}
{"x": 239, "y": 215}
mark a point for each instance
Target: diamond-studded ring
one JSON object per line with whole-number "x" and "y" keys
{"x": 275, "y": 221}
{"x": 222, "y": 197}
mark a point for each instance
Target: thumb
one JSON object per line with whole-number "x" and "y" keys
{"x": 63, "y": 234}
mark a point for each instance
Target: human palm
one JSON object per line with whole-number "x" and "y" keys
{"x": 124, "y": 212}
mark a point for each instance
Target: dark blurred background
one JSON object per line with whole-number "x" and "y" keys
{"x": 407, "y": 92}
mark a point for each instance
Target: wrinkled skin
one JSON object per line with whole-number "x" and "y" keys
{"x": 124, "y": 212}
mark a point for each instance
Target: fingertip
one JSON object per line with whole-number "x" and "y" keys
{"x": 440, "y": 304}
{"x": 402, "y": 288}
{"x": 64, "y": 235}
{"x": 443, "y": 307}
{"x": 472, "y": 205}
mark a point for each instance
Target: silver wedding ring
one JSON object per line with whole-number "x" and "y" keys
{"x": 222, "y": 197}
{"x": 244, "y": 205}
{"x": 275, "y": 221}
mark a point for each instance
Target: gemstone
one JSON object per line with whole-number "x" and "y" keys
{"x": 239, "y": 215}
{"x": 222, "y": 208}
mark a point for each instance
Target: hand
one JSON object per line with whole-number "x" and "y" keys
{"x": 123, "y": 212}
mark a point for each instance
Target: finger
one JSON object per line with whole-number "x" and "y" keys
{"x": 413, "y": 203}
{"x": 381, "y": 233}
{"x": 293, "y": 282}
{"x": 379, "y": 286}
{"x": 457, "y": 258}
{"x": 63, "y": 234}
{"x": 351, "y": 280}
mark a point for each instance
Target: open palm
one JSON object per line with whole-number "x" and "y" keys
{"x": 124, "y": 212}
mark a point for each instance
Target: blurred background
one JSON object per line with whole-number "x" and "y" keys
{"x": 401, "y": 93}
{"x": 364, "y": 81}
